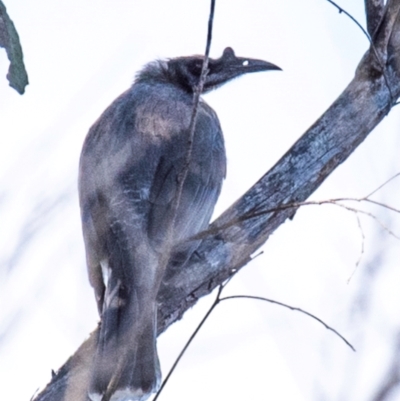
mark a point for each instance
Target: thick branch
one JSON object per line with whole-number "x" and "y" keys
{"x": 362, "y": 105}
{"x": 374, "y": 10}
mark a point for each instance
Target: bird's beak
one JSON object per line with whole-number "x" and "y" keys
{"x": 244, "y": 65}
{"x": 254, "y": 65}
{"x": 228, "y": 67}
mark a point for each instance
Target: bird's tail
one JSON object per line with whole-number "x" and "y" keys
{"x": 126, "y": 365}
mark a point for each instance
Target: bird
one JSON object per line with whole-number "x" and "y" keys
{"x": 129, "y": 170}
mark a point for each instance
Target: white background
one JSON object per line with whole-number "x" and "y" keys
{"x": 80, "y": 55}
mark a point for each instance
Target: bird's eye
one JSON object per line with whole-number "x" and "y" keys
{"x": 245, "y": 62}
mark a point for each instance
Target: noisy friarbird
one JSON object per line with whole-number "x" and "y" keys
{"x": 129, "y": 173}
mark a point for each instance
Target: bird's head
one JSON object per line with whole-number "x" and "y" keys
{"x": 186, "y": 70}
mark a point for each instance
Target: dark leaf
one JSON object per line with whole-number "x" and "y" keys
{"x": 17, "y": 75}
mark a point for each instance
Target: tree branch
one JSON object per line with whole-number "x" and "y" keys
{"x": 391, "y": 380}
{"x": 327, "y": 144}
{"x": 374, "y": 10}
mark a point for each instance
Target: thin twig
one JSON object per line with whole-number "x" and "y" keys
{"x": 291, "y": 308}
{"x": 342, "y": 10}
{"x": 251, "y": 214}
{"x": 336, "y": 201}
{"x": 384, "y": 205}
{"x": 36, "y": 392}
{"x": 372, "y": 216}
{"x": 184, "y": 172}
{"x": 382, "y": 185}
{"x": 383, "y": 226}
{"x": 182, "y": 177}
{"x": 354, "y": 210}
{"x": 196, "y": 100}
{"x": 362, "y": 249}
{"x": 200, "y": 325}
{"x": 216, "y": 302}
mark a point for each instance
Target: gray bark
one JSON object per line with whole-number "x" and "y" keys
{"x": 235, "y": 235}
{"x": 374, "y": 10}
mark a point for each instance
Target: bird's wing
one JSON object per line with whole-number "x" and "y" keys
{"x": 202, "y": 184}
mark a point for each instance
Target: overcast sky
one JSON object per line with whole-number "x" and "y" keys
{"x": 80, "y": 55}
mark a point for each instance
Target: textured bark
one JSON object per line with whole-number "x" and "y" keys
{"x": 374, "y": 10}
{"x": 235, "y": 236}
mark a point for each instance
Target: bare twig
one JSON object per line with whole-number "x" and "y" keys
{"x": 342, "y": 10}
{"x": 216, "y": 302}
{"x": 337, "y": 202}
{"x": 384, "y": 205}
{"x": 196, "y": 100}
{"x": 362, "y": 248}
{"x": 184, "y": 172}
{"x": 168, "y": 245}
{"x": 376, "y": 54}
{"x": 291, "y": 308}
{"x": 382, "y": 185}
{"x": 191, "y": 338}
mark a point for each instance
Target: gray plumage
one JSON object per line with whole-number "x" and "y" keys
{"x": 128, "y": 179}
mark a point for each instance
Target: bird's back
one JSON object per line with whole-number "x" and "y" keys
{"x": 138, "y": 146}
